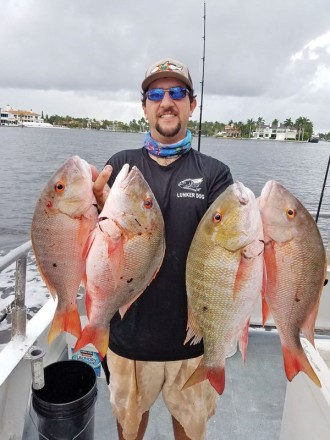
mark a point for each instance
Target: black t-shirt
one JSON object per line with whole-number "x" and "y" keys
{"x": 154, "y": 327}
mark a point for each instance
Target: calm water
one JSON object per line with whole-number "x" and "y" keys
{"x": 30, "y": 156}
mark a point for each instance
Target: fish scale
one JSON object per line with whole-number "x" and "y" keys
{"x": 296, "y": 266}
{"x": 125, "y": 253}
{"x": 222, "y": 285}
{"x": 63, "y": 218}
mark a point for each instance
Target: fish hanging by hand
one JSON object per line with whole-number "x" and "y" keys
{"x": 64, "y": 216}
{"x": 224, "y": 278}
{"x": 126, "y": 250}
{"x": 296, "y": 266}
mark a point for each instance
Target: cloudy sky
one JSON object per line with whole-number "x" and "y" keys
{"x": 87, "y": 58}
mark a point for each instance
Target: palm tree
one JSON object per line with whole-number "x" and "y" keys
{"x": 299, "y": 126}
{"x": 307, "y": 125}
{"x": 251, "y": 124}
{"x": 240, "y": 127}
{"x": 260, "y": 122}
{"x": 288, "y": 123}
{"x": 302, "y": 124}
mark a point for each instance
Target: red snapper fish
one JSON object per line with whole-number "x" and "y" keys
{"x": 224, "y": 278}
{"x": 125, "y": 253}
{"x": 296, "y": 266}
{"x": 64, "y": 216}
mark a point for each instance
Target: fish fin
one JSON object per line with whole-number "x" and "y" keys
{"x": 309, "y": 324}
{"x": 264, "y": 279}
{"x": 84, "y": 280}
{"x": 116, "y": 258}
{"x": 193, "y": 329}
{"x": 97, "y": 336}
{"x": 67, "y": 320}
{"x": 216, "y": 377}
{"x": 295, "y": 361}
{"x": 161, "y": 262}
{"x": 248, "y": 254}
{"x": 50, "y": 287}
{"x": 123, "y": 309}
{"x": 85, "y": 230}
{"x": 244, "y": 339}
{"x": 88, "y": 303}
{"x": 265, "y": 311}
{"x": 265, "y": 307}
{"x": 88, "y": 244}
{"x": 240, "y": 275}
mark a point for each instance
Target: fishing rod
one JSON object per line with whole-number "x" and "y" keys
{"x": 202, "y": 82}
{"x": 322, "y": 192}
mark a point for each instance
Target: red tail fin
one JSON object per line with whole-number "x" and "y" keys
{"x": 295, "y": 361}
{"x": 68, "y": 321}
{"x": 216, "y": 377}
{"x": 97, "y": 336}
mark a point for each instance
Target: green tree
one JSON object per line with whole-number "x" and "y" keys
{"x": 304, "y": 127}
{"x": 240, "y": 127}
{"x": 260, "y": 123}
{"x": 250, "y": 123}
{"x": 288, "y": 123}
{"x": 143, "y": 124}
{"x": 134, "y": 126}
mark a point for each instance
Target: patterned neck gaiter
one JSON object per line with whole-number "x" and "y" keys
{"x": 167, "y": 150}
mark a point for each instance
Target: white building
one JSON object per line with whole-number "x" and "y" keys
{"x": 12, "y": 117}
{"x": 279, "y": 133}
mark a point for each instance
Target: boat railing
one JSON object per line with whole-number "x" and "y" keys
{"x": 18, "y": 308}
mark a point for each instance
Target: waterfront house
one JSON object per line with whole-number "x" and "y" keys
{"x": 278, "y": 132}
{"x": 232, "y": 131}
{"x": 12, "y": 117}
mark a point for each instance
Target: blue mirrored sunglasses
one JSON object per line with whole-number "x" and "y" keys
{"x": 175, "y": 93}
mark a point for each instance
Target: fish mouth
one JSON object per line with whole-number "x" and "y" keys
{"x": 241, "y": 193}
{"x": 128, "y": 176}
{"x": 83, "y": 168}
{"x": 267, "y": 189}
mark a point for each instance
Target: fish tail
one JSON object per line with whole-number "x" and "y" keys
{"x": 66, "y": 320}
{"x": 295, "y": 361}
{"x": 216, "y": 377}
{"x": 97, "y": 336}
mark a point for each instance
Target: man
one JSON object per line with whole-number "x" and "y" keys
{"x": 147, "y": 353}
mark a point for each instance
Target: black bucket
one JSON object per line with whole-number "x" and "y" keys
{"x": 65, "y": 406}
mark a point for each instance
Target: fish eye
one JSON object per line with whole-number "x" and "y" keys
{"x": 59, "y": 187}
{"x": 148, "y": 203}
{"x": 217, "y": 217}
{"x": 290, "y": 213}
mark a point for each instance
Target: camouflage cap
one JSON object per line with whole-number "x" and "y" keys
{"x": 167, "y": 68}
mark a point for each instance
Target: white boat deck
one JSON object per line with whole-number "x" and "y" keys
{"x": 250, "y": 408}
{"x": 258, "y": 402}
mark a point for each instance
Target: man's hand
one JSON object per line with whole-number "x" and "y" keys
{"x": 101, "y": 188}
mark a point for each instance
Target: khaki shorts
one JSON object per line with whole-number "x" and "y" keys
{"x": 135, "y": 385}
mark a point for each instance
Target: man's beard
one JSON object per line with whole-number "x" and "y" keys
{"x": 169, "y": 132}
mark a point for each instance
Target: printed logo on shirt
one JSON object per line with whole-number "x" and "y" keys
{"x": 193, "y": 185}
